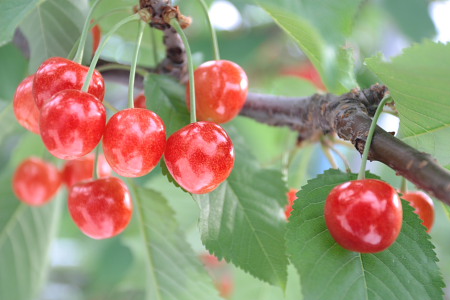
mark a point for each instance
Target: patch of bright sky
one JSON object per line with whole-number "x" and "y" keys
{"x": 440, "y": 13}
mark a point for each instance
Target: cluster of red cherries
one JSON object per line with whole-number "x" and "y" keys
{"x": 366, "y": 215}
{"x": 71, "y": 123}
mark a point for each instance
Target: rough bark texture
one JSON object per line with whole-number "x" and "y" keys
{"x": 349, "y": 116}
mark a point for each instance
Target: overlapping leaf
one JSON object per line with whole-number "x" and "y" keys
{"x": 406, "y": 270}
{"x": 334, "y": 64}
{"x": 52, "y": 29}
{"x": 419, "y": 82}
{"x": 174, "y": 271}
{"x": 25, "y": 238}
{"x": 243, "y": 220}
{"x": 12, "y": 12}
{"x": 165, "y": 97}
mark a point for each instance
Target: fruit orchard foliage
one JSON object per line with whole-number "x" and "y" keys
{"x": 242, "y": 212}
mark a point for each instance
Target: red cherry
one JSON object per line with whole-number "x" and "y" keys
{"x": 306, "y": 71}
{"x": 200, "y": 156}
{"x": 221, "y": 89}
{"x": 423, "y": 205}
{"x": 72, "y": 124}
{"x": 134, "y": 141}
{"x": 57, "y": 74}
{"x": 101, "y": 208}
{"x": 35, "y": 181}
{"x": 83, "y": 169}
{"x": 140, "y": 101}
{"x": 364, "y": 215}
{"x": 292, "y": 196}
{"x": 25, "y": 108}
{"x": 96, "y": 37}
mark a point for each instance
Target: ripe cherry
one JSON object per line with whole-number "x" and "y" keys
{"x": 423, "y": 205}
{"x": 200, "y": 156}
{"x": 72, "y": 124}
{"x": 57, "y": 74}
{"x": 140, "y": 101}
{"x": 96, "y": 37}
{"x": 25, "y": 107}
{"x": 134, "y": 141}
{"x": 292, "y": 196}
{"x": 35, "y": 181}
{"x": 101, "y": 208}
{"x": 83, "y": 169}
{"x": 364, "y": 215}
{"x": 221, "y": 89}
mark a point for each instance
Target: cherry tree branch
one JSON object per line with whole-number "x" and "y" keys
{"x": 349, "y": 116}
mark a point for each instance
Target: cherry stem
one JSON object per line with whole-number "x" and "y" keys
{"x": 330, "y": 146}
{"x": 327, "y": 152}
{"x": 79, "y": 55}
{"x": 403, "y": 186}
{"x": 373, "y": 125}
{"x": 134, "y": 64}
{"x": 102, "y": 45}
{"x": 174, "y": 23}
{"x": 96, "y": 171}
{"x": 211, "y": 29}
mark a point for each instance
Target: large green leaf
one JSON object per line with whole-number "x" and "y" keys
{"x": 243, "y": 220}
{"x": 334, "y": 64}
{"x": 12, "y": 12}
{"x": 174, "y": 271}
{"x": 165, "y": 97}
{"x": 406, "y": 270}
{"x": 13, "y": 70}
{"x": 415, "y": 21}
{"x": 52, "y": 30}
{"x": 419, "y": 82}
{"x": 25, "y": 239}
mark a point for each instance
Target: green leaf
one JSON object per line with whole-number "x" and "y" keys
{"x": 243, "y": 219}
{"x": 406, "y": 270}
{"x": 415, "y": 22}
{"x": 12, "y": 12}
{"x": 419, "y": 83}
{"x": 174, "y": 271}
{"x": 166, "y": 97}
{"x": 10, "y": 133}
{"x": 13, "y": 70}
{"x": 52, "y": 30}
{"x": 446, "y": 209}
{"x": 334, "y": 19}
{"x": 334, "y": 64}
{"x": 25, "y": 237}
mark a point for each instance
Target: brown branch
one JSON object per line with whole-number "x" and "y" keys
{"x": 348, "y": 116}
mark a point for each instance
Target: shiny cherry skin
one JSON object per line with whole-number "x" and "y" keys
{"x": 80, "y": 169}
{"x": 134, "y": 141}
{"x": 140, "y": 101}
{"x": 36, "y": 181}
{"x": 200, "y": 156}
{"x": 221, "y": 89}
{"x": 57, "y": 74}
{"x": 364, "y": 215}
{"x": 72, "y": 124}
{"x": 423, "y": 205}
{"x": 292, "y": 196}
{"x": 101, "y": 208}
{"x": 25, "y": 109}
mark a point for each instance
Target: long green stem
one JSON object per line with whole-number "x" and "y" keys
{"x": 134, "y": 64}
{"x": 362, "y": 170}
{"x": 404, "y": 186}
{"x": 176, "y": 25}
{"x": 327, "y": 152}
{"x": 212, "y": 31}
{"x": 79, "y": 55}
{"x": 102, "y": 45}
